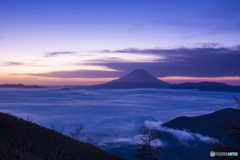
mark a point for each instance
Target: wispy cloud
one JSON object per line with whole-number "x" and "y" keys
{"x": 129, "y": 140}
{"x": 202, "y": 48}
{"x": 181, "y": 135}
{"x": 12, "y": 64}
{"x": 21, "y": 64}
{"x": 54, "y": 54}
{"x": 81, "y": 74}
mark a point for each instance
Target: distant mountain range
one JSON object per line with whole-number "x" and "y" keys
{"x": 206, "y": 86}
{"x": 19, "y": 86}
{"x": 139, "y": 78}
{"x": 136, "y": 79}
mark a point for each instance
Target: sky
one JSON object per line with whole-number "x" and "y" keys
{"x": 78, "y": 42}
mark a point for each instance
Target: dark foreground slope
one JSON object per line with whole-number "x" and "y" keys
{"x": 208, "y": 124}
{"x": 136, "y": 79}
{"x": 20, "y": 139}
{"x": 206, "y": 86}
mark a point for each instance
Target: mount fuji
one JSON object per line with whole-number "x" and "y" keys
{"x": 136, "y": 79}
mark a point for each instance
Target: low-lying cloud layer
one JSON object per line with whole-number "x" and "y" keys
{"x": 181, "y": 135}
{"x": 113, "y": 116}
{"x": 127, "y": 140}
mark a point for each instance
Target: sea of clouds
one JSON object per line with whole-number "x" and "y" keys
{"x": 113, "y": 116}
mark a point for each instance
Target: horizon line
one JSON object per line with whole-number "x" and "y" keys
{"x": 50, "y": 81}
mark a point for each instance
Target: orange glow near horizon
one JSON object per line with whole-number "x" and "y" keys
{"x": 35, "y": 80}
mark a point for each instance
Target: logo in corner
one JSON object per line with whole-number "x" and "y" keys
{"x": 212, "y": 154}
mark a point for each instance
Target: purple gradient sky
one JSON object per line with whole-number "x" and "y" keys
{"x": 88, "y": 42}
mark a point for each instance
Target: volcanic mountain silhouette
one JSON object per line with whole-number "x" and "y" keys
{"x": 136, "y": 79}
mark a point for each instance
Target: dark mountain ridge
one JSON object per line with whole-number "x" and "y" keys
{"x": 208, "y": 124}
{"x": 206, "y": 86}
{"x": 19, "y": 86}
{"x": 136, "y": 79}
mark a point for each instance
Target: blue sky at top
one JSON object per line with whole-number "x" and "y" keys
{"x": 31, "y": 29}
